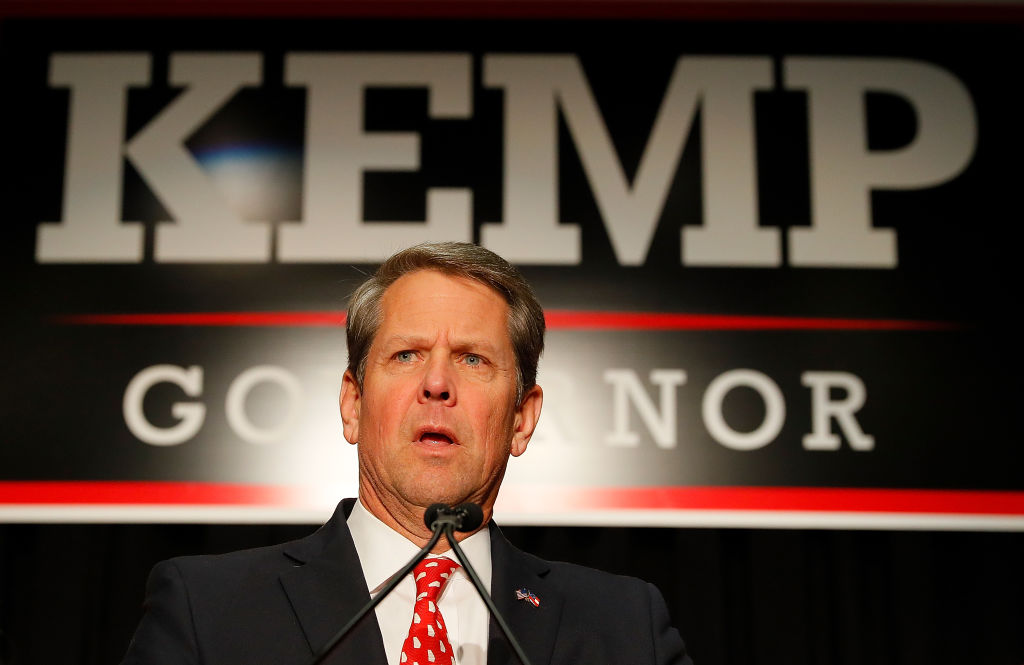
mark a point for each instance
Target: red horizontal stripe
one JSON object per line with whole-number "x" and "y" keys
{"x": 556, "y": 320}
{"x": 239, "y": 319}
{"x": 541, "y": 499}
{"x": 143, "y": 492}
{"x": 800, "y": 499}
{"x": 574, "y": 320}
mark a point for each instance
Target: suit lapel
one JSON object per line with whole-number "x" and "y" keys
{"x": 536, "y": 627}
{"x": 326, "y": 588}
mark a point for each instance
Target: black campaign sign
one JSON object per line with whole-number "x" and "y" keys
{"x": 776, "y": 263}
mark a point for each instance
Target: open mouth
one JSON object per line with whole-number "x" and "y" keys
{"x": 436, "y": 438}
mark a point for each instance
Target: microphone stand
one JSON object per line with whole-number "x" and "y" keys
{"x": 395, "y": 580}
{"x": 449, "y": 532}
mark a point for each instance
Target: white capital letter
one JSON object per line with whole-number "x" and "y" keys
{"x": 537, "y": 86}
{"x": 205, "y": 228}
{"x": 844, "y": 171}
{"x": 626, "y": 388}
{"x": 774, "y": 407}
{"x": 238, "y": 392}
{"x": 339, "y": 151}
{"x": 191, "y": 415}
{"x": 91, "y": 228}
{"x": 823, "y": 409}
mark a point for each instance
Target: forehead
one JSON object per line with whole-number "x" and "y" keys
{"x": 429, "y": 299}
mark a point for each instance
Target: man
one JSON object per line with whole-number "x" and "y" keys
{"x": 440, "y": 389}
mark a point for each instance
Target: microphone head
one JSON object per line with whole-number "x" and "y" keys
{"x": 432, "y": 513}
{"x": 472, "y": 516}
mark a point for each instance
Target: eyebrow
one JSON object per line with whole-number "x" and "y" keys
{"x": 414, "y": 341}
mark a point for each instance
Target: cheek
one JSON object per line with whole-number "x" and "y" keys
{"x": 498, "y": 424}
{"x": 384, "y": 401}
{"x": 389, "y": 411}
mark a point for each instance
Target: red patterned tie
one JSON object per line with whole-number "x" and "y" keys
{"x": 428, "y": 636}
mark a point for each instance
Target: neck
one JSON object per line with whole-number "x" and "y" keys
{"x": 408, "y": 521}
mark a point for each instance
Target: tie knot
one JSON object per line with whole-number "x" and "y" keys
{"x": 431, "y": 575}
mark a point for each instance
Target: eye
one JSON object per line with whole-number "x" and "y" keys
{"x": 405, "y": 356}
{"x": 473, "y": 360}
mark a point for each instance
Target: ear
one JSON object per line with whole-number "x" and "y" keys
{"x": 350, "y": 400}
{"x": 527, "y": 415}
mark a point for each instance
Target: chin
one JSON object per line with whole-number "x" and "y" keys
{"x": 426, "y": 496}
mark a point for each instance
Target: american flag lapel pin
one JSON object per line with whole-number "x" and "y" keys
{"x": 526, "y": 594}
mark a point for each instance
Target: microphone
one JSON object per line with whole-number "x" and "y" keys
{"x": 464, "y": 517}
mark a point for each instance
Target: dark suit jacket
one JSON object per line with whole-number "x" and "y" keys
{"x": 277, "y": 605}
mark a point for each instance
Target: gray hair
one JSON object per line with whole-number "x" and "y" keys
{"x": 457, "y": 259}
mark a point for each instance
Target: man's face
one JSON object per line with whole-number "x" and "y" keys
{"x": 436, "y": 419}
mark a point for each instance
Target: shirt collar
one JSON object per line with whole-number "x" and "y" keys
{"x": 383, "y": 551}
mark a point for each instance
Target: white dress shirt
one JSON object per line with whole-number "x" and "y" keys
{"x": 382, "y": 552}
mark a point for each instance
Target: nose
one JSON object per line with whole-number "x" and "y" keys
{"x": 438, "y": 381}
